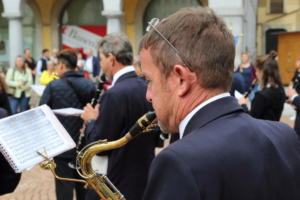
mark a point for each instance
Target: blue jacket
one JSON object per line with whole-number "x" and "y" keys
{"x": 58, "y": 94}
{"x": 225, "y": 154}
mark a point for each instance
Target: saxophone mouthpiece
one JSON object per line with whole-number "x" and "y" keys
{"x": 142, "y": 124}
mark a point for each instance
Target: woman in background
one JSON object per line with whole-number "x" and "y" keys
{"x": 19, "y": 81}
{"x": 268, "y": 102}
{"x": 247, "y": 70}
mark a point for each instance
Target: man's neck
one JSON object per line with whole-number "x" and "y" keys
{"x": 195, "y": 98}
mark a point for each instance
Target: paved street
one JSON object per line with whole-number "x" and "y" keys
{"x": 38, "y": 184}
{"x": 35, "y": 184}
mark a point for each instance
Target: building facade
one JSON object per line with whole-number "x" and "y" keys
{"x": 275, "y": 17}
{"x": 38, "y": 24}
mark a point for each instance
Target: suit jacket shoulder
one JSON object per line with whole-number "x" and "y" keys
{"x": 227, "y": 154}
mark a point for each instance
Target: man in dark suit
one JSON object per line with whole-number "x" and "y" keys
{"x": 223, "y": 153}
{"x": 120, "y": 107}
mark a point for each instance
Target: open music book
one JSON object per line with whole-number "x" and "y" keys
{"x": 37, "y": 130}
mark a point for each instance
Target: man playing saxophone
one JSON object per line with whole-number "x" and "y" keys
{"x": 223, "y": 153}
{"x": 120, "y": 107}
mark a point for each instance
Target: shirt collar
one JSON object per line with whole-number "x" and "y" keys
{"x": 121, "y": 72}
{"x": 187, "y": 118}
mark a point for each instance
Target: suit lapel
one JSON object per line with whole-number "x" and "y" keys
{"x": 212, "y": 111}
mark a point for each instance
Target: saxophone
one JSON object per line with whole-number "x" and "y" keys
{"x": 99, "y": 182}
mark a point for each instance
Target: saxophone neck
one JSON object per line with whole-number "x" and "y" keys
{"x": 84, "y": 157}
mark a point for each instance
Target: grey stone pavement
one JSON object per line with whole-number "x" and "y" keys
{"x": 38, "y": 184}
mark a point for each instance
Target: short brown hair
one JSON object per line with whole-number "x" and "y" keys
{"x": 202, "y": 38}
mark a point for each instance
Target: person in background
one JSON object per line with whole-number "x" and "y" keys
{"x": 295, "y": 82}
{"x": 294, "y": 99}
{"x": 80, "y": 64}
{"x": 30, "y": 62}
{"x": 19, "y": 81}
{"x": 75, "y": 91}
{"x": 237, "y": 83}
{"x": 42, "y": 63}
{"x": 49, "y": 74}
{"x": 137, "y": 66}
{"x": 54, "y": 55}
{"x": 247, "y": 70}
{"x": 4, "y": 102}
{"x": 269, "y": 101}
{"x": 223, "y": 153}
{"x": 92, "y": 65}
{"x": 121, "y": 106}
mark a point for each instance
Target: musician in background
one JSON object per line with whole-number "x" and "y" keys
{"x": 71, "y": 90}
{"x": 120, "y": 107}
{"x": 223, "y": 153}
{"x": 295, "y": 83}
{"x": 293, "y": 94}
{"x": 294, "y": 99}
{"x": 269, "y": 101}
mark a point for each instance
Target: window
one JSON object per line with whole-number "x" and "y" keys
{"x": 276, "y": 6}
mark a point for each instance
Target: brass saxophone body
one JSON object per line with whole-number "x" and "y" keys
{"x": 100, "y": 183}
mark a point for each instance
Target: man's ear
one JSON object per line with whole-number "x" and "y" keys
{"x": 185, "y": 78}
{"x": 112, "y": 59}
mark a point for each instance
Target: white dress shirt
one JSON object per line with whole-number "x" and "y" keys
{"x": 189, "y": 116}
{"x": 121, "y": 72}
{"x": 89, "y": 65}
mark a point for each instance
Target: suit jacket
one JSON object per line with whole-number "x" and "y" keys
{"x": 120, "y": 108}
{"x": 296, "y": 102}
{"x": 226, "y": 154}
{"x": 268, "y": 103}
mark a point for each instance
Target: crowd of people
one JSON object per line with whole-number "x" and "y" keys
{"x": 186, "y": 82}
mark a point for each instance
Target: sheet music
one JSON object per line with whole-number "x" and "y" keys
{"x": 68, "y": 111}
{"x": 237, "y": 94}
{"x": 38, "y": 89}
{"x": 22, "y": 135}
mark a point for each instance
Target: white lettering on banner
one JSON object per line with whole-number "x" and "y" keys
{"x": 76, "y": 37}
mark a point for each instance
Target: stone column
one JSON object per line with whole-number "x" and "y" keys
{"x": 240, "y": 17}
{"x": 113, "y": 12}
{"x": 13, "y": 12}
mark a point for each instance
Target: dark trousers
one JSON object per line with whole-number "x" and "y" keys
{"x": 64, "y": 189}
{"x": 91, "y": 195}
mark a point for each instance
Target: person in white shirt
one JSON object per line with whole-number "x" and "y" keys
{"x": 92, "y": 65}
